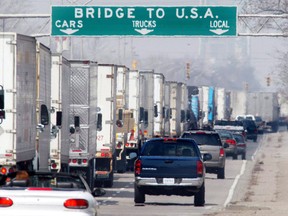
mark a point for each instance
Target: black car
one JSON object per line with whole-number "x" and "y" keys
{"x": 251, "y": 129}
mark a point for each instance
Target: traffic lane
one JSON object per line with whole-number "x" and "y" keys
{"x": 252, "y": 147}
{"x": 119, "y": 200}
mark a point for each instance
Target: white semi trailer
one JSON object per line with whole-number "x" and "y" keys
{"x": 60, "y": 95}
{"x": 159, "y": 118}
{"x": 147, "y": 103}
{"x": 83, "y": 119}
{"x": 106, "y": 135}
{"x": 25, "y": 103}
{"x": 133, "y": 101}
{"x": 124, "y": 118}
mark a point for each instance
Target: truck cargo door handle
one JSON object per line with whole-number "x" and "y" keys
{"x": 168, "y": 161}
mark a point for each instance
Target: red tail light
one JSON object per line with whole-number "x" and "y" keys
{"x": 39, "y": 189}
{"x": 199, "y": 168}
{"x": 170, "y": 139}
{"x": 222, "y": 152}
{"x": 76, "y": 204}
{"x": 5, "y": 202}
{"x": 3, "y": 170}
{"x": 137, "y": 167}
{"x": 231, "y": 141}
{"x": 54, "y": 165}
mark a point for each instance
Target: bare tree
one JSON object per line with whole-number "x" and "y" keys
{"x": 276, "y": 7}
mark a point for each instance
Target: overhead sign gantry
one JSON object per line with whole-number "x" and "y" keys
{"x": 144, "y": 21}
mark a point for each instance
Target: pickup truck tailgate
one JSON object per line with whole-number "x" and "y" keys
{"x": 168, "y": 167}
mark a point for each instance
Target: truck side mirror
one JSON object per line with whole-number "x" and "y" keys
{"x": 163, "y": 112}
{"x": 182, "y": 117}
{"x": 155, "y": 111}
{"x": 76, "y": 121}
{"x": 120, "y": 114}
{"x": 2, "y": 102}
{"x": 44, "y": 114}
{"x": 188, "y": 116}
{"x": 146, "y": 117}
{"x": 59, "y": 119}
{"x": 99, "y": 122}
{"x": 141, "y": 116}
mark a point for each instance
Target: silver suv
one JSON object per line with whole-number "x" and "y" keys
{"x": 210, "y": 142}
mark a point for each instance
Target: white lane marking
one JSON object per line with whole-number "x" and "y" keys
{"x": 232, "y": 189}
{"x": 256, "y": 152}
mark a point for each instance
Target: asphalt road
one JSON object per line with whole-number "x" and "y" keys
{"x": 119, "y": 200}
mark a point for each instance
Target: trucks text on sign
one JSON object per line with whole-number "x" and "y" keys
{"x": 144, "y": 21}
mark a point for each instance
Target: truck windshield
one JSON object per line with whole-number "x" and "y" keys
{"x": 162, "y": 148}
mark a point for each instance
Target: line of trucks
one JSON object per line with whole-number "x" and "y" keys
{"x": 84, "y": 117}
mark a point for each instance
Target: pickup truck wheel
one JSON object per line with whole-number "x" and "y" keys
{"x": 199, "y": 198}
{"x": 221, "y": 173}
{"x": 139, "y": 196}
{"x": 243, "y": 156}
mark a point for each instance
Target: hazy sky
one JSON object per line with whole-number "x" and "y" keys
{"x": 262, "y": 51}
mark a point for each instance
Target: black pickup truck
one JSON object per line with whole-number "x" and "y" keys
{"x": 170, "y": 166}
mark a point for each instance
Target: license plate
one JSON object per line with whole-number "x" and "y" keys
{"x": 168, "y": 181}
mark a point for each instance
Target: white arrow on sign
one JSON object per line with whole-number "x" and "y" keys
{"x": 144, "y": 31}
{"x": 219, "y": 31}
{"x": 69, "y": 31}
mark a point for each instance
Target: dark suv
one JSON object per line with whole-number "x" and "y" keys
{"x": 210, "y": 142}
{"x": 251, "y": 129}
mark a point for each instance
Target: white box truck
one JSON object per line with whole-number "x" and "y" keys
{"x": 159, "y": 81}
{"x": 106, "y": 135}
{"x": 222, "y": 104}
{"x": 184, "y": 124}
{"x": 133, "y": 100}
{"x": 43, "y": 107}
{"x": 266, "y": 105}
{"x": 167, "y": 110}
{"x": 238, "y": 103}
{"x": 175, "y": 108}
{"x": 21, "y": 92}
{"x": 147, "y": 103}
{"x": 124, "y": 118}
{"x": 60, "y": 94}
{"x": 83, "y": 118}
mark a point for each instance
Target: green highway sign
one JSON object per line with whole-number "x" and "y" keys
{"x": 144, "y": 21}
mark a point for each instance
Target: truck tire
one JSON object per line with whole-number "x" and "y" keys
{"x": 199, "y": 198}
{"x": 235, "y": 156}
{"x": 221, "y": 173}
{"x": 109, "y": 183}
{"x": 243, "y": 156}
{"x": 139, "y": 196}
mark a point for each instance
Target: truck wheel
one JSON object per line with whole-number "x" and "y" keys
{"x": 221, "y": 173}
{"x": 243, "y": 156}
{"x": 139, "y": 196}
{"x": 109, "y": 183}
{"x": 235, "y": 156}
{"x": 199, "y": 198}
